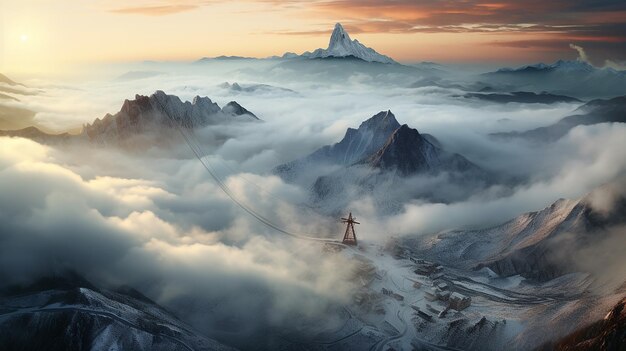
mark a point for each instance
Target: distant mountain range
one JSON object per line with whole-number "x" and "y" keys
{"x": 38, "y": 135}
{"x": 13, "y": 116}
{"x": 66, "y": 312}
{"x": 6, "y": 80}
{"x": 157, "y": 113}
{"x": 372, "y": 160}
{"x": 574, "y": 78}
{"x": 558, "y": 66}
{"x": 593, "y": 112}
{"x": 522, "y": 97}
{"x": 142, "y": 122}
{"x": 7, "y": 85}
{"x": 339, "y": 46}
{"x": 254, "y": 88}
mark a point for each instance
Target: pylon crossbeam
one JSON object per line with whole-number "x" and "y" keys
{"x": 349, "y": 237}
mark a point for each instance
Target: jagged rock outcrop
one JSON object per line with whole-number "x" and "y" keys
{"x": 408, "y": 152}
{"x": 374, "y": 160}
{"x": 158, "y": 114}
{"x": 356, "y": 145}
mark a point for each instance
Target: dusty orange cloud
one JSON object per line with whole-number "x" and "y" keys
{"x": 154, "y": 10}
{"x": 547, "y": 26}
{"x": 64, "y": 33}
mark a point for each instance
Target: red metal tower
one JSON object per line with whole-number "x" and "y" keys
{"x": 349, "y": 238}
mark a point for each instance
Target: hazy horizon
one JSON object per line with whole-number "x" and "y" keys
{"x": 38, "y": 35}
{"x": 201, "y": 204}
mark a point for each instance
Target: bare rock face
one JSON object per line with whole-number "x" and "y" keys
{"x": 374, "y": 160}
{"x": 234, "y": 109}
{"x": 159, "y": 113}
{"x": 356, "y": 145}
{"x": 408, "y": 152}
{"x": 482, "y": 335}
{"x": 607, "y": 334}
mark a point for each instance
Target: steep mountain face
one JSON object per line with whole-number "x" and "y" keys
{"x": 407, "y": 152}
{"x": 541, "y": 245}
{"x": 607, "y": 334}
{"x": 574, "y": 78}
{"x": 70, "y": 314}
{"x": 234, "y": 109}
{"x": 356, "y": 145}
{"x": 158, "y": 114}
{"x": 593, "y": 112}
{"x": 377, "y": 159}
{"x": 341, "y": 46}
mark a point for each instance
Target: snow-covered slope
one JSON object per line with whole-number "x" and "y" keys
{"x": 341, "y": 45}
{"x": 539, "y": 245}
{"x": 71, "y": 314}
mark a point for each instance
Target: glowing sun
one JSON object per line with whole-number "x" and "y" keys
{"x": 24, "y": 38}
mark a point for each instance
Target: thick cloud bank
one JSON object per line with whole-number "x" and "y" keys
{"x": 153, "y": 234}
{"x": 158, "y": 222}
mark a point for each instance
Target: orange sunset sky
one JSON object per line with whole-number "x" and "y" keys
{"x": 43, "y": 36}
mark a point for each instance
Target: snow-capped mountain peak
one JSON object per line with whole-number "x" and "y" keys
{"x": 339, "y": 40}
{"x": 340, "y": 45}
